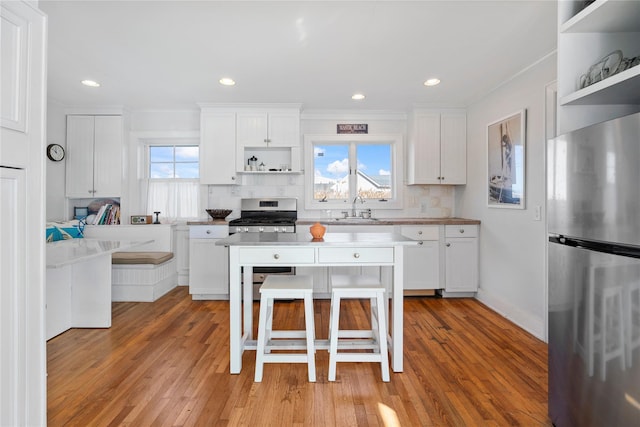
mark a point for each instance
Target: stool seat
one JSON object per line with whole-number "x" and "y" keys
{"x": 285, "y": 287}
{"x": 342, "y": 342}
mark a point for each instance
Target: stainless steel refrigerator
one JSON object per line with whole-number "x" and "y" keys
{"x": 593, "y": 207}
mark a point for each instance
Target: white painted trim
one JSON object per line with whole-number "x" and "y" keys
{"x": 513, "y": 77}
{"x": 253, "y": 106}
{"x": 532, "y": 324}
{"x": 352, "y": 115}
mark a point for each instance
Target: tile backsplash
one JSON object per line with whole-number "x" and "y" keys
{"x": 432, "y": 201}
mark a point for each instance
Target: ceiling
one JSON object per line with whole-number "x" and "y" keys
{"x": 171, "y": 54}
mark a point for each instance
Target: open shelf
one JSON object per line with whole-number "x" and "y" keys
{"x": 621, "y": 88}
{"x": 605, "y": 16}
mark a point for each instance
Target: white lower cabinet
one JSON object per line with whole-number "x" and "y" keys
{"x": 181, "y": 239}
{"x": 422, "y": 262}
{"x": 208, "y": 263}
{"x": 461, "y": 259}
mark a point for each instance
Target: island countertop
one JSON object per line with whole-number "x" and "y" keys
{"x": 305, "y": 239}
{"x": 389, "y": 221}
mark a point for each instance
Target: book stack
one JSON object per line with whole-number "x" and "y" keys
{"x": 108, "y": 214}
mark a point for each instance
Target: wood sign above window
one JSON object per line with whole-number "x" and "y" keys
{"x": 353, "y": 128}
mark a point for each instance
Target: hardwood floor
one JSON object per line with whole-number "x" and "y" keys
{"x": 167, "y": 363}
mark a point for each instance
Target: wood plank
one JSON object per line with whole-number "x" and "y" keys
{"x": 167, "y": 363}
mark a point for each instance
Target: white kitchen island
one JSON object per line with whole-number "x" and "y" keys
{"x": 247, "y": 250}
{"x": 78, "y": 283}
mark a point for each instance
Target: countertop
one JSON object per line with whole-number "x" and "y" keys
{"x": 65, "y": 252}
{"x": 209, "y": 222}
{"x": 305, "y": 239}
{"x": 389, "y": 221}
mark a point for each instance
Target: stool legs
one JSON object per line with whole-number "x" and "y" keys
{"x": 378, "y": 333}
{"x": 265, "y": 319}
{"x": 285, "y": 287}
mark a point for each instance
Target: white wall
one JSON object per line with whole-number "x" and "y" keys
{"x": 56, "y": 134}
{"x": 512, "y": 242}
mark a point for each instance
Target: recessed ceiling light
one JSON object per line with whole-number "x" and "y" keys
{"x": 90, "y": 83}
{"x": 432, "y": 82}
{"x": 227, "y": 81}
{"x": 357, "y": 96}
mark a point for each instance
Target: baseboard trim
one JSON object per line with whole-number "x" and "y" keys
{"x": 531, "y": 324}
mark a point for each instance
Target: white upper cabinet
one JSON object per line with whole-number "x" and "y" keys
{"x": 587, "y": 35}
{"x": 94, "y": 156}
{"x": 437, "y": 148}
{"x": 280, "y": 128}
{"x": 217, "y": 147}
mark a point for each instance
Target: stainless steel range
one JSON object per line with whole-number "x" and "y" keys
{"x": 266, "y": 216}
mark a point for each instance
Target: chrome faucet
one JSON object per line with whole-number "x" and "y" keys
{"x": 353, "y": 205}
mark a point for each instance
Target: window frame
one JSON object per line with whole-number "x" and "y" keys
{"x": 145, "y": 168}
{"x": 353, "y": 140}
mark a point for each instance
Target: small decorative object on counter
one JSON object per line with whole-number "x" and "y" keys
{"x": 317, "y": 230}
{"x": 262, "y": 167}
{"x": 219, "y": 214}
{"x": 157, "y": 221}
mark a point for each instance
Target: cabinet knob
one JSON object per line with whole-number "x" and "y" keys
{"x": 448, "y": 244}
{"x": 356, "y": 255}
{"x": 420, "y": 232}
{"x": 276, "y": 256}
{"x": 208, "y": 231}
{"x": 420, "y": 242}
{"x": 461, "y": 230}
{"x": 233, "y": 178}
{"x": 442, "y": 178}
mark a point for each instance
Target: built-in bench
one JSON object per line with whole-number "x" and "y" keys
{"x": 142, "y": 276}
{"x": 145, "y": 273}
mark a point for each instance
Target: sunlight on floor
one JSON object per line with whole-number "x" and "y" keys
{"x": 388, "y": 415}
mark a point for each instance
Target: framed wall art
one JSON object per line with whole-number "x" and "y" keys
{"x": 506, "y": 150}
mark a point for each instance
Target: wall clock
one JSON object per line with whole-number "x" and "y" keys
{"x": 55, "y": 152}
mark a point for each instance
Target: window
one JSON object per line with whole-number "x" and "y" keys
{"x": 174, "y": 184}
{"x": 173, "y": 161}
{"x": 346, "y": 167}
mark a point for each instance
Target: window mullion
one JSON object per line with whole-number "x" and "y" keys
{"x": 353, "y": 171}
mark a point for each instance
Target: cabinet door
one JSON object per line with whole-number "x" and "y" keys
{"x": 79, "y": 156}
{"x": 284, "y": 129}
{"x": 218, "y": 148}
{"x": 251, "y": 129}
{"x": 461, "y": 265}
{"x": 208, "y": 268}
{"x": 453, "y": 148}
{"x": 182, "y": 255}
{"x": 422, "y": 266}
{"x": 107, "y": 157}
{"x": 422, "y": 262}
{"x": 423, "y": 155}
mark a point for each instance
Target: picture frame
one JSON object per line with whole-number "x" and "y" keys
{"x": 506, "y": 161}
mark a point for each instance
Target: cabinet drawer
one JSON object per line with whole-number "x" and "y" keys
{"x": 277, "y": 255}
{"x": 351, "y": 255}
{"x": 461, "y": 230}
{"x": 418, "y": 232}
{"x": 208, "y": 231}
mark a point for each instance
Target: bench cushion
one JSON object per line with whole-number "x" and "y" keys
{"x": 154, "y": 258}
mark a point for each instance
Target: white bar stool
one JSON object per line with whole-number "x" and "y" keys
{"x": 632, "y": 318}
{"x": 285, "y": 287}
{"x": 611, "y": 335}
{"x": 358, "y": 287}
